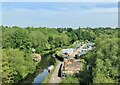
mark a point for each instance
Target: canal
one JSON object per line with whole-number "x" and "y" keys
{"x": 41, "y": 71}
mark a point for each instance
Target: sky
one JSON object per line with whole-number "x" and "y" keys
{"x": 59, "y": 0}
{"x": 60, "y": 14}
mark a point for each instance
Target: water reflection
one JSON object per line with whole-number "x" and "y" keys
{"x": 40, "y": 77}
{"x": 41, "y": 72}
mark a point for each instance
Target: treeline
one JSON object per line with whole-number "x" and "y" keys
{"x": 17, "y": 43}
{"x": 103, "y": 61}
{"x": 43, "y": 38}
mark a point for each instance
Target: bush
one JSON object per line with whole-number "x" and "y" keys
{"x": 70, "y": 80}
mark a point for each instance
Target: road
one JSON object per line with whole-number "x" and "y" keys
{"x": 78, "y": 50}
{"x": 54, "y": 77}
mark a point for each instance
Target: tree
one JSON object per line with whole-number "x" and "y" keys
{"x": 15, "y": 65}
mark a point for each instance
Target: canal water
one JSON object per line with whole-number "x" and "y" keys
{"x": 40, "y": 77}
{"x": 41, "y": 72}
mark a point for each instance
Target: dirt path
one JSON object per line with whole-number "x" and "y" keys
{"x": 54, "y": 77}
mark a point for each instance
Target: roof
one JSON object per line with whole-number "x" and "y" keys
{"x": 69, "y": 51}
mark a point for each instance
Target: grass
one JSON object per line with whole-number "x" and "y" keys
{"x": 71, "y": 80}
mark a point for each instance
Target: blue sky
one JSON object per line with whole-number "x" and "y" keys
{"x": 60, "y": 14}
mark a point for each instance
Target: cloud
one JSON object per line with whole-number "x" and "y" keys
{"x": 63, "y": 16}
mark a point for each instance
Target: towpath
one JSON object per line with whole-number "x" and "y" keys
{"x": 54, "y": 77}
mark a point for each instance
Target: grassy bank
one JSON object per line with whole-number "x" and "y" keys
{"x": 46, "y": 80}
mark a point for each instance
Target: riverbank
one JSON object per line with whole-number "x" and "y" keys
{"x": 46, "y": 80}
{"x": 42, "y": 65}
{"x": 47, "y": 60}
{"x": 54, "y": 77}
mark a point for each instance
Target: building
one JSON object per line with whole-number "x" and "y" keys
{"x": 67, "y": 52}
{"x": 71, "y": 65}
{"x": 88, "y": 47}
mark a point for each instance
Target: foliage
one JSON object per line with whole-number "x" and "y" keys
{"x": 107, "y": 66}
{"x": 14, "y": 65}
{"x": 71, "y": 80}
{"x": 17, "y": 58}
{"x": 104, "y": 59}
